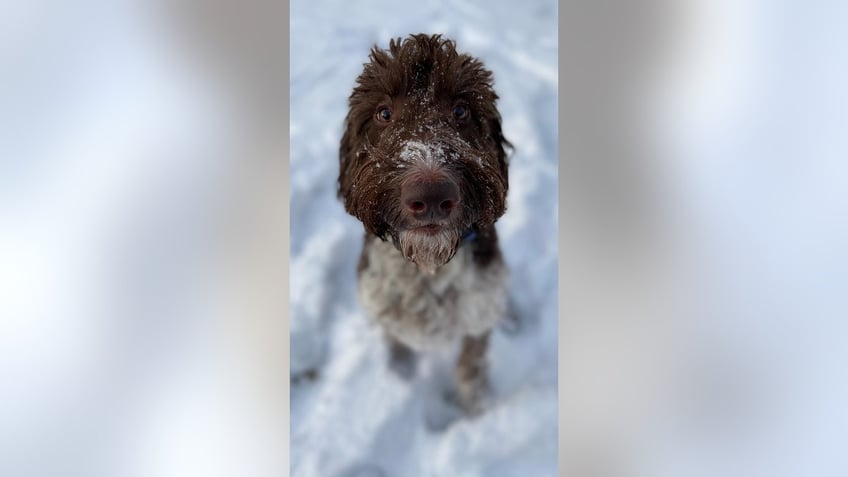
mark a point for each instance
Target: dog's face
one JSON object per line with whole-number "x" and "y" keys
{"x": 422, "y": 160}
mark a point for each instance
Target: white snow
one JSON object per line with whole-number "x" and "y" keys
{"x": 355, "y": 417}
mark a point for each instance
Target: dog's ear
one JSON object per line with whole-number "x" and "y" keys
{"x": 501, "y": 146}
{"x": 347, "y": 156}
{"x": 351, "y": 157}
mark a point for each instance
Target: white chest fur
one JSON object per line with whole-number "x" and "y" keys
{"x": 429, "y": 311}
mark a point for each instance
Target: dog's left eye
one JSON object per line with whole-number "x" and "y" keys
{"x": 460, "y": 112}
{"x": 384, "y": 114}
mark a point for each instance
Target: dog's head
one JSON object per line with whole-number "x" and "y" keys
{"x": 422, "y": 160}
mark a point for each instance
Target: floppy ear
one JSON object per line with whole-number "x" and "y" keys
{"x": 347, "y": 152}
{"x": 501, "y": 144}
{"x": 351, "y": 157}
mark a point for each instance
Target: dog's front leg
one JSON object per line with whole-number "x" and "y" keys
{"x": 472, "y": 380}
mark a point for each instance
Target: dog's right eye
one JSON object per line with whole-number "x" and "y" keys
{"x": 384, "y": 114}
{"x": 460, "y": 112}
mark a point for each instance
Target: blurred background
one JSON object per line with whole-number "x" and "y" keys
{"x": 144, "y": 241}
{"x": 143, "y": 236}
{"x": 704, "y": 191}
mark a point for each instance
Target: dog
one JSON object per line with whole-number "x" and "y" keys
{"x": 423, "y": 166}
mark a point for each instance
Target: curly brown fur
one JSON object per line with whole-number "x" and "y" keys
{"x": 420, "y": 79}
{"x": 422, "y": 164}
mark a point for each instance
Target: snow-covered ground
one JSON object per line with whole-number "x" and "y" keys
{"x": 350, "y": 415}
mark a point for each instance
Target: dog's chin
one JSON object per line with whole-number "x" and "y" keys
{"x": 429, "y": 247}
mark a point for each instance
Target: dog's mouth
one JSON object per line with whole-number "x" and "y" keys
{"x": 427, "y": 229}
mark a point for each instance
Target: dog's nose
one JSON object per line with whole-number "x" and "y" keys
{"x": 430, "y": 199}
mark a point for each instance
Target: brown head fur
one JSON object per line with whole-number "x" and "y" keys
{"x": 442, "y": 119}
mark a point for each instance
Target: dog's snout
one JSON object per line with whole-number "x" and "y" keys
{"x": 432, "y": 200}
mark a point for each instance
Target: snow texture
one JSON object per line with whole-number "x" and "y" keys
{"x": 352, "y": 416}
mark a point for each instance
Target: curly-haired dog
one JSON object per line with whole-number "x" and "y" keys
{"x": 423, "y": 166}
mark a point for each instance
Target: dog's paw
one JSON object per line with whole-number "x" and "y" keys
{"x": 471, "y": 400}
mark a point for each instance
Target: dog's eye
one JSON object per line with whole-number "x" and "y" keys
{"x": 460, "y": 112}
{"x": 384, "y": 114}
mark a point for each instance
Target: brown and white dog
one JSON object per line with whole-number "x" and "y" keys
{"x": 423, "y": 166}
